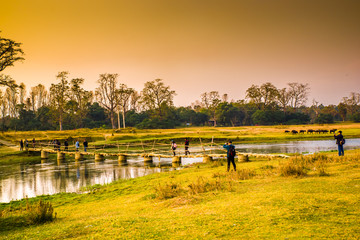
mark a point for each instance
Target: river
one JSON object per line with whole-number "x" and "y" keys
{"x": 51, "y": 176}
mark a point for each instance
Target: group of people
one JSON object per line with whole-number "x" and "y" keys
{"x": 174, "y": 146}
{"x": 56, "y": 143}
{"x": 25, "y": 144}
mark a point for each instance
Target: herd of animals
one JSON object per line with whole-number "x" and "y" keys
{"x": 311, "y": 131}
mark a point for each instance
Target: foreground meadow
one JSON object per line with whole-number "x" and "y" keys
{"x": 315, "y": 196}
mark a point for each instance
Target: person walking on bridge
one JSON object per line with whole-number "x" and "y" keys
{"x": 187, "y": 142}
{"x": 77, "y": 145}
{"x": 230, "y": 154}
{"x": 173, "y": 146}
{"x": 21, "y": 145}
{"x": 85, "y": 144}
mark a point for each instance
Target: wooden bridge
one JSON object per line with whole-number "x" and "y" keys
{"x": 99, "y": 154}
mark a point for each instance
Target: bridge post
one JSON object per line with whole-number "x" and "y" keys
{"x": 207, "y": 159}
{"x": 148, "y": 159}
{"x": 60, "y": 156}
{"x": 243, "y": 158}
{"x": 176, "y": 159}
{"x": 44, "y": 155}
{"x": 79, "y": 156}
{"x": 99, "y": 157}
{"x": 122, "y": 158}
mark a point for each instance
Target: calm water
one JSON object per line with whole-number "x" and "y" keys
{"x": 51, "y": 176}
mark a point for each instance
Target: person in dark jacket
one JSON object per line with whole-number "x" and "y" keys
{"x": 21, "y": 145}
{"x": 187, "y": 142}
{"x": 66, "y": 144}
{"x": 340, "y": 142}
{"x": 85, "y": 145}
{"x": 230, "y": 157}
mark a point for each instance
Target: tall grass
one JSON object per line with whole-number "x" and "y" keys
{"x": 40, "y": 212}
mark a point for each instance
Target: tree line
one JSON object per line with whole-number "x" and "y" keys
{"x": 67, "y": 105}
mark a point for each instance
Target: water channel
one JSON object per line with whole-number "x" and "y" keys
{"x": 51, "y": 176}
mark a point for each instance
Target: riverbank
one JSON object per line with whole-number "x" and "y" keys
{"x": 313, "y": 197}
{"x": 197, "y": 135}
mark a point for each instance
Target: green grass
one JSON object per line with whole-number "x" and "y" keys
{"x": 202, "y": 201}
{"x": 246, "y": 134}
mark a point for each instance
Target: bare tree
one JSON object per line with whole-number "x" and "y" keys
{"x": 22, "y": 93}
{"x": 11, "y": 96}
{"x": 134, "y": 101}
{"x": 3, "y": 108}
{"x": 33, "y": 98}
{"x": 59, "y": 96}
{"x": 107, "y": 95}
{"x": 262, "y": 96}
{"x": 211, "y": 100}
{"x": 283, "y": 98}
{"x": 42, "y": 95}
{"x": 124, "y": 94}
{"x": 298, "y": 94}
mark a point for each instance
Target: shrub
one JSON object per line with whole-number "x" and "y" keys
{"x": 168, "y": 190}
{"x": 292, "y": 168}
{"x": 242, "y": 174}
{"x": 40, "y": 212}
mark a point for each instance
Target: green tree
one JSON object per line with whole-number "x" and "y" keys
{"x": 342, "y": 111}
{"x": 82, "y": 99}
{"x": 154, "y": 95}
{"x": 264, "y": 96}
{"x": 229, "y": 114}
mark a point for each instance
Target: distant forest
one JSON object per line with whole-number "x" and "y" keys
{"x": 67, "y": 105}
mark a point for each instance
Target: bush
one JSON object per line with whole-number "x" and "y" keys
{"x": 168, "y": 190}
{"x": 292, "y": 168}
{"x": 40, "y": 212}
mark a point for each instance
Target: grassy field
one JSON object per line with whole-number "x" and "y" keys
{"x": 311, "y": 197}
{"x": 246, "y": 134}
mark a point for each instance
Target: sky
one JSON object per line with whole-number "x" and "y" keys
{"x": 195, "y": 46}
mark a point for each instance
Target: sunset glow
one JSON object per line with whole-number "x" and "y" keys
{"x": 194, "y": 46}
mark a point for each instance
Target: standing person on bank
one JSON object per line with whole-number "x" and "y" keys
{"x": 340, "y": 141}
{"x": 230, "y": 154}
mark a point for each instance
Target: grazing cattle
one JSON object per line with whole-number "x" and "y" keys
{"x": 333, "y": 131}
{"x": 302, "y": 131}
{"x": 310, "y": 131}
{"x": 324, "y": 131}
{"x": 287, "y": 131}
{"x": 294, "y": 131}
{"x": 317, "y": 131}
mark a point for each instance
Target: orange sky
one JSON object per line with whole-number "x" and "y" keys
{"x": 195, "y": 46}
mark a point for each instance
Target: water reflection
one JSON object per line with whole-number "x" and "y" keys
{"x": 53, "y": 176}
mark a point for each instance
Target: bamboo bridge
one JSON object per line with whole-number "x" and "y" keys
{"x": 206, "y": 152}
